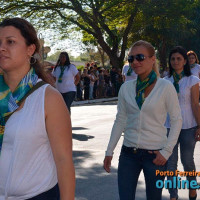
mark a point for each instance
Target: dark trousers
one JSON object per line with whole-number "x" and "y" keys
{"x": 86, "y": 92}
{"x": 52, "y": 194}
{"x": 130, "y": 165}
{"x": 95, "y": 90}
{"x": 69, "y": 98}
{"x": 186, "y": 142}
{"x": 79, "y": 93}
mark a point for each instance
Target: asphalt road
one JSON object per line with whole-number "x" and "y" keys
{"x": 91, "y": 131}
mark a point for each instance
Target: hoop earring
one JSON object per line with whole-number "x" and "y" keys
{"x": 34, "y": 60}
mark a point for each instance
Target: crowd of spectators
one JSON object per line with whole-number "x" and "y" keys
{"x": 97, "y": 82}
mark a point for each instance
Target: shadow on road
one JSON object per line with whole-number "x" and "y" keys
{"x": 93, "y": 183}
{"x": 99, "y": 103}
{"x": 79, "y": 128}
{"x": 81, "y": 137}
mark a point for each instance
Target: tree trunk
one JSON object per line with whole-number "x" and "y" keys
{"x": 102, "y": 55}
{"x": 162, "y": 56}
{"x": 103, "y": 59}
{"x": 116, "y": 61}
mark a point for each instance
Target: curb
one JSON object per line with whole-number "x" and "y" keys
{"x": 75, "y": 103}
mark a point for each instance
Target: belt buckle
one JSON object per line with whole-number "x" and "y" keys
{"x": 134, "y": 150}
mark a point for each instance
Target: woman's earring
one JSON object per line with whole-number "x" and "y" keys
{"x": 33, "y": 59}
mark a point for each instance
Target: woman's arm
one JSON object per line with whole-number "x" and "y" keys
{"x": 124, "y": 78}
{"x": 195, "y": 102}
{"x": 117, "y": 129}
{"x": 76, "y": 79}
{"x": 174, "y": 111}
{"x": 58, "y": 125}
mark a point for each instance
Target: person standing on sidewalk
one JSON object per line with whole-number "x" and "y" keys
{"x": 93, "y": 78}
{"x": 86, "y": 83}
{"x": 143, "y": 105}
{"x": 67, "y": 77}
{"x": 36, "y": 140}
{"x": 187, "y": 87}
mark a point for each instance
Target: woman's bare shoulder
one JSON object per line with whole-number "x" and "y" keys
{"x": 54, "y": 100}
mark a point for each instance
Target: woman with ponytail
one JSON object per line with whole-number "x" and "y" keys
{"x": 35, "y": 128}
{"x": 143, "y": 105}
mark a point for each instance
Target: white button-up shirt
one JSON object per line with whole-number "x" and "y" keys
{"x": 184, "y": 96}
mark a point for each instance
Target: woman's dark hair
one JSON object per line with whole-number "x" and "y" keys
{"x": 29, "y": 34}
{"x": 67, "y": 62}
{"x": 183, "y": 52}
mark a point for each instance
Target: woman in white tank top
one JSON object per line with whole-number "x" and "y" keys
{"x": 36, "y": 141}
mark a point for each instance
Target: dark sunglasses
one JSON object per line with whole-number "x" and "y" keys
{"x": 138, "y": 57}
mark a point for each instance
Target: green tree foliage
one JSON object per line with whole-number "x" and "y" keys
{"x": 114, "y": 25}
{"x": 54, "y": 57}
{"x": 109, "y": 22}
{"x": 168, "y": 23}
{"x": 94, "y": 49}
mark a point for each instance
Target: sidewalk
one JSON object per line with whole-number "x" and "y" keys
{"x": 76, "y": 103}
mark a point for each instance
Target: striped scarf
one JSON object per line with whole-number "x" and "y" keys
{"x": 9, "y": 100}
{"x": 62, "y": 69}
{"x": 142, "y": 85}
{"x": 177, "y": 78}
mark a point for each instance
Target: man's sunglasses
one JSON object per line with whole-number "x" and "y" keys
{"x": 138, "y": 57}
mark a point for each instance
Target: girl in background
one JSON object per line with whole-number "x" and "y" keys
{"x": 67, "y": 77}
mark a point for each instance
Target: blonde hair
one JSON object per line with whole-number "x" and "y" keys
{"x": 151, "y": 51}
{"x": 189, "y": 53}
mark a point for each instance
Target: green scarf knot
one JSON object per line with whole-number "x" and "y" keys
{"x": 142, "y": 85}
{"x": 130, "y": 70}
{"x": 193, "y": 66}
{"x": 177, "y": 78}
{"x": 62, "y": 69}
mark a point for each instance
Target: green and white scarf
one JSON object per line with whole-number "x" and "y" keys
{"x": 193, "y": 66}
{"x": 177, "y": 78}
{"x": 9, "y": 100}
{"x": 62, "y": 69}
{"x": 130, "y": 70}
{"x": 142, "y": 85}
